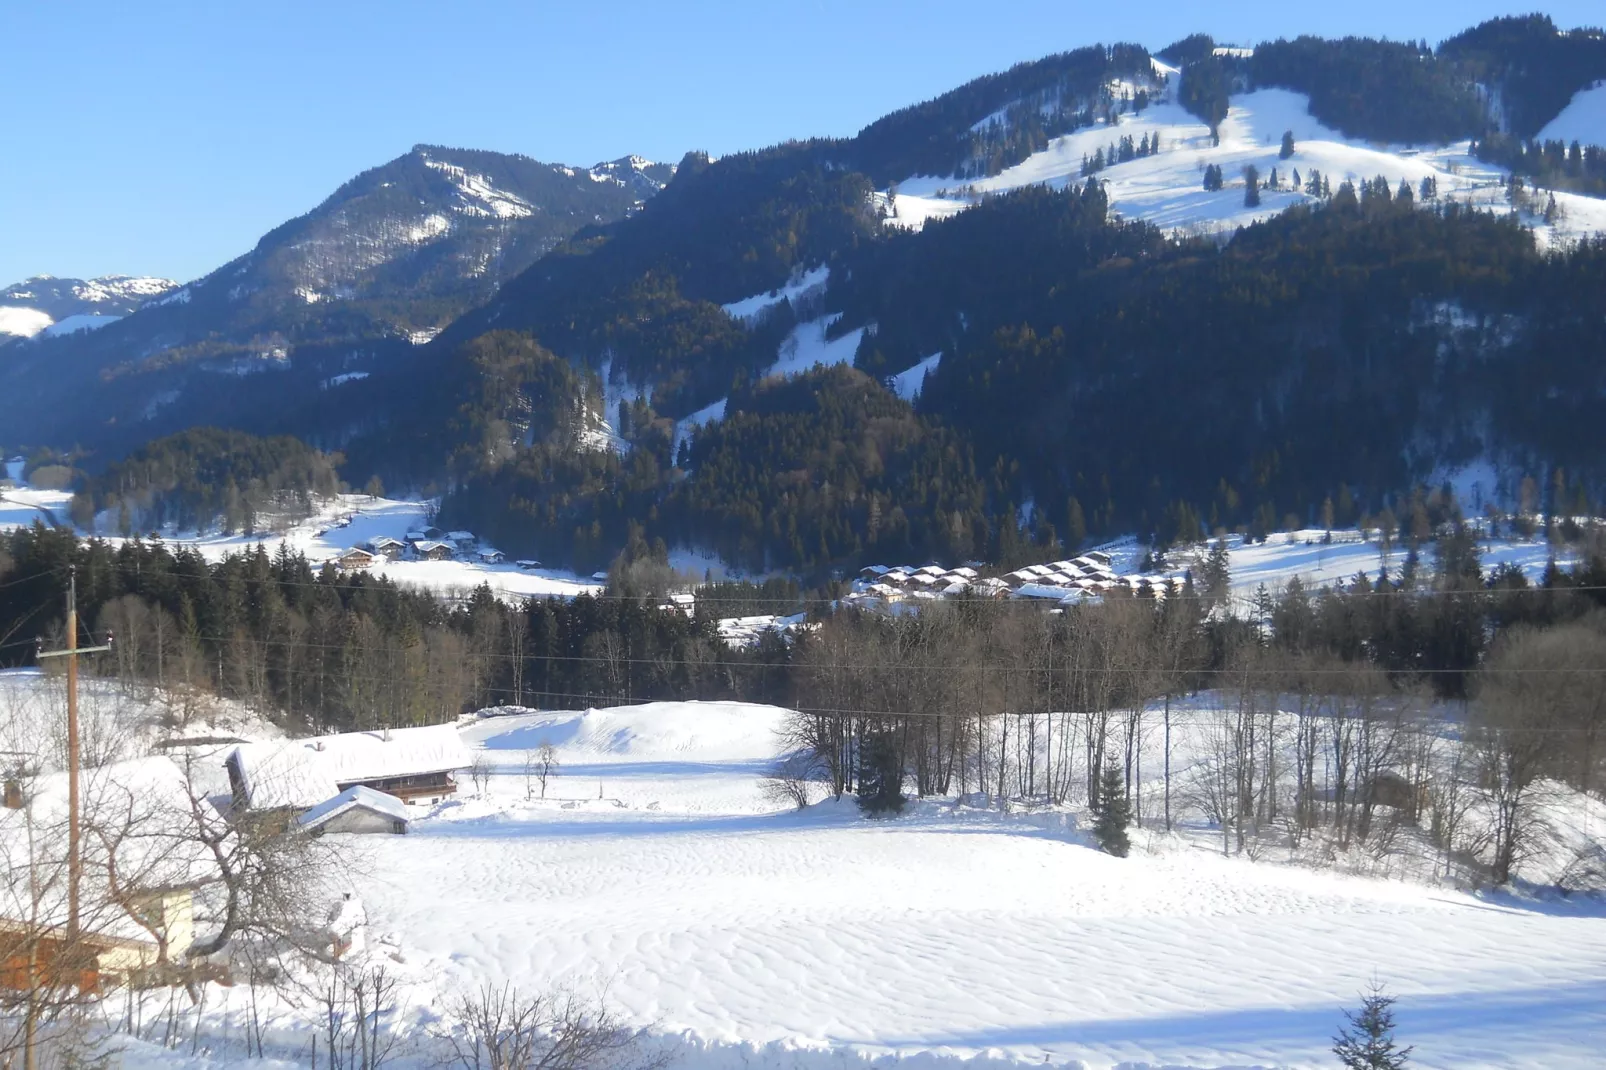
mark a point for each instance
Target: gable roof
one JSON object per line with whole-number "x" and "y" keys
{"x": 305, "y": 772}
{"x": 354, "y": 797}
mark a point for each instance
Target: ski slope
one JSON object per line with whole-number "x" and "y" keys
{"x": 1166, "y": 189}
{"x": 656, "y": 871}
{"x": 1582, "y": 120}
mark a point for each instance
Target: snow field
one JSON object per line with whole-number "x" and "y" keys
{"x": 1582, "y": 120}
{"x": 703, "y": 911}
{"x": 1166, "y": 189}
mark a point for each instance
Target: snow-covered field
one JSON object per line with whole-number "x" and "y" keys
{"x": 657, "y": 872}
{"x": 1166, "y": 189}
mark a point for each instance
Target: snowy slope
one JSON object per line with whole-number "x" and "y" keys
{"x": 908, "y": 383}
{"x": 655, "y": 869}
{"x": 1582, "y": 120}
{"x": 1166, "y": 189}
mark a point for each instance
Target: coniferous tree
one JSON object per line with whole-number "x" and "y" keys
{"x": 880, "y": 775}
{"x": 1287, "y": 149}
{"x": 1251, "y": 187}
{"x": 1112, "y": 814}
{"x": 1367, "y": 1041}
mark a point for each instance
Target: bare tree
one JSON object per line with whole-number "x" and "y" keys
{"x": 791, "y": 779}
{"x": 501, "y": 1029}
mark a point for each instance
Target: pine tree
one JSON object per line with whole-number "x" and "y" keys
{"x": 1367, "y": 1042}
{"x": 1288, "y": 145}
{"x": 1112, "y": 813}
{"x": 880, "y": 775}
{"x": 1251, "y": 187}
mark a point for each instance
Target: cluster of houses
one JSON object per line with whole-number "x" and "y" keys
{"x": 425, "y": 544}
{"x": 1090, "y": 575}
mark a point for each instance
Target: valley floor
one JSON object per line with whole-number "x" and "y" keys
{"x": 655, "y": 872}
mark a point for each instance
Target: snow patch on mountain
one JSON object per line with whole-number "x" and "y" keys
{"x": 81, "y": 322}
{"x": 799, "y": 287}
{"x": 1167, "y": 188}
{"x": 476, "y": 194}
{"x": 1582, "y": 120}
{"x": 908, "y": 383}
{"x": 809, "y": 347}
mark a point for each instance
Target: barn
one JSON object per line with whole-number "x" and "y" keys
{"x": 356, "y": 810}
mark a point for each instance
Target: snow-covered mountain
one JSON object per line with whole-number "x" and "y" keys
{"x": 1166, "y": 187}
{"x": 61, "y": 306}
{"x": 376, "y": 269}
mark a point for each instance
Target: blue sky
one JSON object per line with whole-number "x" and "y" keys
{"x": 165, "y": 137}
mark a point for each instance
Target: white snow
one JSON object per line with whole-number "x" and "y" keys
{"x": 1582, "y": 120}
{"x": 908, "y": 383}
{"x": 477, "y": 196}
{"x": 1166, "y": 189}
{"x": 808, "y": 347}
{"x": 805, "y": 284}
{"x": 23, "y": 322}
{"x": 656, "y": 869}
{"x": 81, "y": 322}
{"x": 342, "y": 378}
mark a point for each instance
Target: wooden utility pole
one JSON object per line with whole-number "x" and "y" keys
{"x": 71, "y": 652}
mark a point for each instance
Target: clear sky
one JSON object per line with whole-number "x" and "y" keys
{"x": 165, "y": 137}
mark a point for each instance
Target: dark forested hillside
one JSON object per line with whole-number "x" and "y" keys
{"x": 988, "y": 124}
{"x": 1379, "y": 90}
{"x": 206, "y": 477}
{"x": 1535, "y": 67}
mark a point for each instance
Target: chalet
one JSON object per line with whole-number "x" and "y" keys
{"x": 528, "y": 564}
{"x": 930, "y": 570}
{"x": 414, "y": 537}
{"x": 873, "y": 572}
{"x": 963, "y": 573}
{"x": 434, "y": 551}
{"x": 357, "y": 810}
{"x": 387, "y": 547}
{"x": 1098, "y": 557}
{"x": 139, "y": 874}
{"x": 356, "y": 558}
{"x": 463, "y": 540}
{"x": 955, "y": 588}
{"x": 492, "y": 557}
{"x": 416, "y": 765}
{"x": 990, "y": 588}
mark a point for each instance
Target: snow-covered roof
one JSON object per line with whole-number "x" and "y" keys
{"x": 383, "y": 541}
{"x": 964, "y": 573}
{"x": 460, "y": 536}
{"x": 355, "y": 551}
{"x": 143, "y": 826}
{"x": 931, "y": 570}
{"x": 354, "y": 797}
{"x": 305, "y": 772}
{"x": 429, "y": 547}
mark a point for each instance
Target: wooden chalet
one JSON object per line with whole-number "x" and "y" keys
{"x": 356, "y": 558}
{"x": 435, "y": 551}
{"x": 415, "y": 765}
